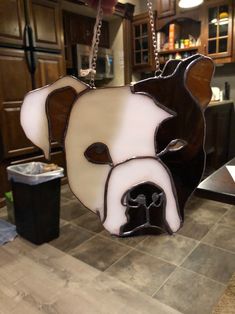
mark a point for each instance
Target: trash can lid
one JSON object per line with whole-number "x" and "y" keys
{"x": 33, "y": 173}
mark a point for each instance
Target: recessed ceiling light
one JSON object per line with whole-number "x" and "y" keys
{"x": 186, "y": 4}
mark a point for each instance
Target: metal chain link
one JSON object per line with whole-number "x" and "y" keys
{"x": 95, "y": 44}
{"x": 154, "y": 41}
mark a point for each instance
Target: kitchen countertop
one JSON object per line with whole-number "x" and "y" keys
{"x": 222, "y": 102}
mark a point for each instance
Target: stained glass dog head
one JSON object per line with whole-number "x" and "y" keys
{"x": 134, "y": 154}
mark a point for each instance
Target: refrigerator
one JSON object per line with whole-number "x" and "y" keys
{"x": 31, "y": 56}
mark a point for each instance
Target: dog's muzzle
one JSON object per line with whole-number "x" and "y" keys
{"x": 145, "y": 207}
{"x": 140, "y": 195}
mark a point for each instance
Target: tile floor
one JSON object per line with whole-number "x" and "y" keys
{"x": 186, "y": 272}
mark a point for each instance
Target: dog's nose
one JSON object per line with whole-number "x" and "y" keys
{"x": 145, "y": 205}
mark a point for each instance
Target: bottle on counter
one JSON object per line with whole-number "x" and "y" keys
{"x": 181, "y": 43}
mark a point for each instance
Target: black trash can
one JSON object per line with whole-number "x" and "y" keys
{"x": 36, "y": 197}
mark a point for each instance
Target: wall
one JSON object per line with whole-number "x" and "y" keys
{"x": 116, "y": 44}
{"x": 225, "y": 73}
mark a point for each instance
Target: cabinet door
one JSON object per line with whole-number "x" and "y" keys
{"x": 49, "y": 68}
{"x": 142, "y": 43}
{"x": 15, "y": 82}
{"x": 12, "y": 22}
{"x": 81, "y": 29}
{"x": 218, "y": 35}
{"x": 218, "y": 122}
{"x": 45, "y": 19}
{"x": 165, "y": 8}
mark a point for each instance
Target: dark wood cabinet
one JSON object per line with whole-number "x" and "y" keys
{"x": 166, "y": 8}
{"x": 143, "y": 59}
{"x": 12, "y": 22}
{"x": 45, "y": 19}
{"x": 218, "y": 134}
{"x": 217, "y": 30}
{"x": 49, "y": 68}
{"x": 18, "y": 75}
{"x": 78, "y": 29}
{"x": 15, "y": 82}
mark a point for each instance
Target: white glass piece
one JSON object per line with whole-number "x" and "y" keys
{"x": 124, "y": 121}
{"x": 33, "y": 112}
{"x": 129, "y": 174}
{"x": 185, "y": 4}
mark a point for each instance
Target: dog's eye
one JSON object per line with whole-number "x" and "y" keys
{"x": 176, "y": 145}
{"x": 173, "y": 146}
{"x": 98, "y": 153}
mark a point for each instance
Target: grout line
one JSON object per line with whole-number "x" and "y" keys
{"x": 83, "y": 228}
{"x": 208, "y": 278}
{"x": 130, "y": 250}
{"x": 214, "y": 226}
{"x": 120, "y": 242}
{"x": 164, "y": 282}
{"x": 219, "y": 248}
{"x": 156, "y": 257}
{"x": 184, "y": 259}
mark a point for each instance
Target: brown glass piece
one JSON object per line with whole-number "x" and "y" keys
{"x": 98, "y": 153}
{"x": 184, "y": 89}
{"x": 58, "y": 107}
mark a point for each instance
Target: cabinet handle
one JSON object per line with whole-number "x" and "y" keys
{"x": 28, "y": 37}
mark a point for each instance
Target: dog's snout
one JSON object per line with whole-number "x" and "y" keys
{"x": 146, "y": 194}
{"x": 145, "y": 204}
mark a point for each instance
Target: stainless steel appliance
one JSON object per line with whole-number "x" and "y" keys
{"x": 104, "y": 64}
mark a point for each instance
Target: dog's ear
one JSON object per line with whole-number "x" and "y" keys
{"x": 44, "y": 112}
{"x": 197, "y": 80}
{"x": 58, "y": 106}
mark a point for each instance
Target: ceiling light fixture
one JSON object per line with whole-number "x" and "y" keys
{"x": 186, "y": 4}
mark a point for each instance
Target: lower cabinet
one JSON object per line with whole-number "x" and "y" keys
{"x": 15, "y": 82}
{"x": 218, "y": 135}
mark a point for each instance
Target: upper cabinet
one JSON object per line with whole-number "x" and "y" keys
{"x": 45, "y": 20}
{"x": 142, "y": 43}
{"x": 12, "y": 22}
{"x": 217, "y": 34}
{"x": 166, "y": 8}
{"x": 37, "y": 21}
{"x": 78, "y": 29}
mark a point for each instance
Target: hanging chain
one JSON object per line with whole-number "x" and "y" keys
{"x": 154, "y": 41}
{"x": 95, "y": 44}
{"x": 94, "y": 47}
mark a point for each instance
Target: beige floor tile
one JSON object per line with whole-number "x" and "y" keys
{"x": 106, "y": 295}
{"x": 26, "y": 308}
{"x": 229, "y": 218}
{"x": 222, "y": 236}
{"x": 100, "y": 252}
{"x": 72, "y": 271}
{"x": 211, "y": 262}
{"x": 129, "y": 241}
{"x": 190, "y": 293}
{"x": 71, "y": 209}
{"x": 70, "y": 237}
{"x": 141, "y": 271}
{"x": 89, "y": 221}
{"x": 172, "y": 249}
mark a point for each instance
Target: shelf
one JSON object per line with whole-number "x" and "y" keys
{"x": 165, "y": 52}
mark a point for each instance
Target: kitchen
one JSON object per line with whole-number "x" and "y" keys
{"x": 42, "y": 40}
